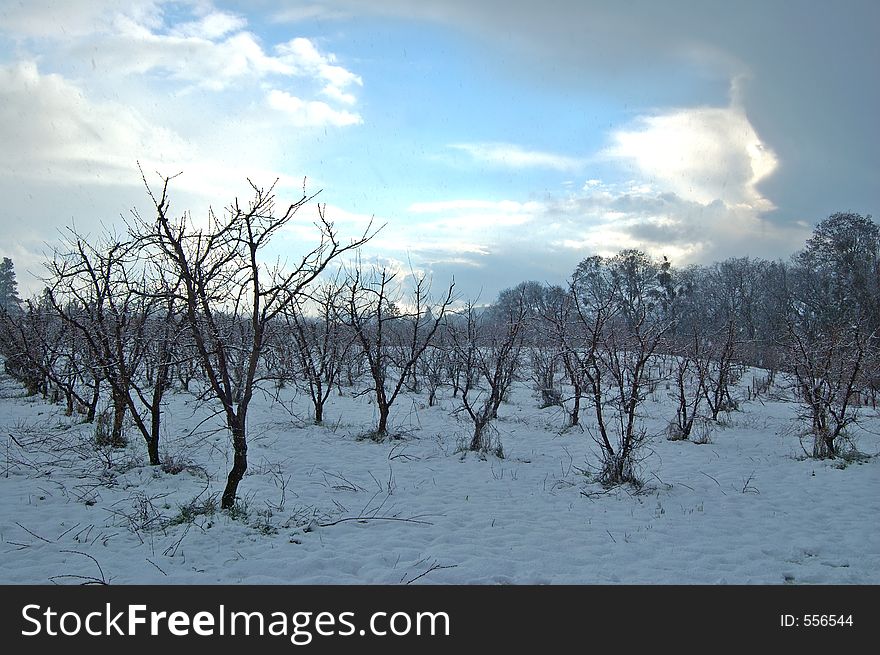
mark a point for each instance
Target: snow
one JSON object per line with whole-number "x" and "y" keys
{"x": 325, "y": 507}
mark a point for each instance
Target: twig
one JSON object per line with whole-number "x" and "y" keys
{"x": 715, "y": 481}
{"x": 597, "y": 494}
{"x": 347, "y": 485}
{"x": 171, "y": 551}
{"x": 157, "y": 566}
{"x": 68, "y": 530}
{"x": 89, "y": 579}
{"x": 20, "y": 545}
{"x": 33, "y": 534}
{"x": 747, "y": 486}
{"x": 434, "y": 567}
{"x": 365, "y": 519}
{"x": 665, "y": 484}
{"x": 397, "y": 453}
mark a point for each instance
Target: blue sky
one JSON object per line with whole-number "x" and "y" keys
{"x": 497, "y": 141}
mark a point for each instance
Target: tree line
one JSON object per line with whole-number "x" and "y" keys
{"x": 169, "y": 304}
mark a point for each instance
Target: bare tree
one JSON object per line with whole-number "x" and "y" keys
{"x": 571, "y": 327}
{"x": 49, "y": 356}
{"x": 722, "y": 370}
{"x": 230, "y": 298}
{"x": 185, "y": 368}
{"x": 689, "y": 377}
{"x": 392, "y": 337}
{"x": 163, "y": 353}
{"x": 22, "y": 358}
{"x": 434, "y": 365}
{"x": 624, "y": 304}
{"x": 489, "y": 347}
{"x": 593, "y": 294}
{"x": 830, "y": 339}
{"x": 321, "y": 343}
{"x": 829, "y": 371}
{"x": 100, "y": 288}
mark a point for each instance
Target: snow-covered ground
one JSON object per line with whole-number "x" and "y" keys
{"x": 321, "y": 506}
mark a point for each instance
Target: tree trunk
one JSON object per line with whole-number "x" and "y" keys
{"x": 117, "y": 440}
{"x": 575, "y": 416}
{"x": 239, "y": 466}
{"x": 382, "y": 428}
{"x": 477, "y": 444}
{"x": 93, "y": 405}
{"x": 155, "y": 422}
{"x": 153, "y": 450}
{"x": 318, "y": 398}
{"x": 619, "y": 468}
{"x": 830, "y": 448}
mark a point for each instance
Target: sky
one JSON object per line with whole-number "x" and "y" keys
{"x": 495, "y": 141}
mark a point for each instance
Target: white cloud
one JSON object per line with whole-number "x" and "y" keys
{"x": 214, "y": 55}
{"x": 195, "y": 60}
{"x": 214, "y": 25}
{"x": 310, "y": 113}
{"x": 212, "y": 50}
{"x": 71, "y": 143}
{"x": 503, "y": 206}
{"x": 51, "y": 129}
{"x": 556, "y": 233}
{"x": 123, "y": 96}
{"x": 300, "y": 13}
{"x": 603, "y": 218}
{"x": 694, "y": 193}
{"x": 53, "y": 133}
{"x": 304, "y": 58}
{"x": 73, "y": 18}
{"x": 600, "y": 218}
{"x": 301, "y": 54}
{"x": 334, "y": 93}
{"x": 430, "y": 233}
{"x": 702, "y": 154}
{"x": 496, "y": 239}
{"x": 510, "y": 155}
{"x": 462, "y": 227}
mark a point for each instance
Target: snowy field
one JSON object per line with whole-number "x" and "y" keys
{"x": 318, "y": 505}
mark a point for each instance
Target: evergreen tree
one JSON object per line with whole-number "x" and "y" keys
{"x": 9, "y": 300}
